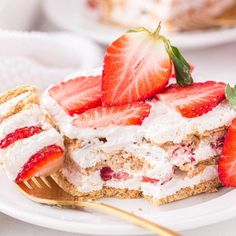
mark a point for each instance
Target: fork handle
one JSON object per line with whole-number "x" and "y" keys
{"x": 129, "y": 216}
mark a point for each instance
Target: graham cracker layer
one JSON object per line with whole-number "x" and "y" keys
{"x": 15, "y": 92}
{"x": 25, "y": 103}
{"x": 203, "y": 187}
{"x": 103, "y": 193}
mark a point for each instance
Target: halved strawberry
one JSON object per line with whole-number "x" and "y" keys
{"x": 136, "y": 67}
{"x": 130, "y": 114}
{"x": 227, "y": 162}
{"x": 79, "y": 94}
{"x": 42, "y": 163}
{"x": 194, "y": 100}
{"x": 18, "y": 134}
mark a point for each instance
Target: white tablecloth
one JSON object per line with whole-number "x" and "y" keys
{"x": 215, "y": 63}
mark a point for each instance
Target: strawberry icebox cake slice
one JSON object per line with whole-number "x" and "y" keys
{"x": 29, "y": 145}
{"x": 129, "y": 132}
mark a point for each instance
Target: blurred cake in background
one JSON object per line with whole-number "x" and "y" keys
{"x": 136, "y": 13}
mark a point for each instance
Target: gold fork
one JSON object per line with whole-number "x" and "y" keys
{"x": 204, "y": 21}
{"x": 46, "y": 191}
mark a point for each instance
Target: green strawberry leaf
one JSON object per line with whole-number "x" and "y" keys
{"x": 181, "y": 66}
{"x": 230, "y": 94}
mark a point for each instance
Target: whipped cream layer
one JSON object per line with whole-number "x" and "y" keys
{"x": 156, "y": 162}
{"x": 162, "y": 125}
{"x": 26, "y": 118}
{"x": 178, "y": 182}
{"x": 84, "y": 183}
{"x": 93, "y": 182}
{"x": 17, "y": 154}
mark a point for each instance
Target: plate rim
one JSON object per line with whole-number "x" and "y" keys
{"x": 119, "y": 228}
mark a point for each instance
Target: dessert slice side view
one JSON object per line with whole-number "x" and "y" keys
{"x": 170, "y": 152}
{"x": 26, "y": 132}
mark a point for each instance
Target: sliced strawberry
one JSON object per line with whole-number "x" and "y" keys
{"x": 79, "y": 94}
{"x": 107, "y": 173}
{"x": 42, "y": 163}
{"x": 18, "y": 134}
{"x": 136, "y": 67}
{"x": 194, "y": 100}
{"x": 227, "y": 162}
{"x": 146, "y": 179}
{"x": 131, "y": 114}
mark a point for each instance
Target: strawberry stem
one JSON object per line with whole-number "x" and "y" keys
{"x": 157, "y": 30}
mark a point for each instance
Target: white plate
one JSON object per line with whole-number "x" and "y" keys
{"x": 73, "y": 15}
{"x": 187, "y": 214}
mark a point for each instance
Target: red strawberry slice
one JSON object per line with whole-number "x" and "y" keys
{"x": 78, "y": 95}
{"x": 107, "y": 173}
{"x": 195, "y": 100}
{"x": 146, "y": 179}
{"x": 131, "y": 114}
{"x": 42, "y": 163}
{"x": 227, "y": 162}
{"x": 18, "y": 134}
{"x": 136, "y": 67}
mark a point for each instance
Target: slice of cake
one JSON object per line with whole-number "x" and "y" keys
{"x": 29, "y": 144}
{"x": 128, "y": 134}
{"x": 153, "y": 151}
{"x": 129, "y": 131}
{"x": 139, "y": 13}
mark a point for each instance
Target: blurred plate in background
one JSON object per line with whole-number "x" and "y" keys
{"x": 42, "y": 59}
{"x": 74, "y": 16}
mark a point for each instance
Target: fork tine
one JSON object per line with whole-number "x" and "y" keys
{"x": 36, "y": 182}
{"x": 45, "y": 181}
{"x": 27, "y": 185}
{"x": 51, "y": 181}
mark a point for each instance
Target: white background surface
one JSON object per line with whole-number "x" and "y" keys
{"x": 215, "y": 63}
